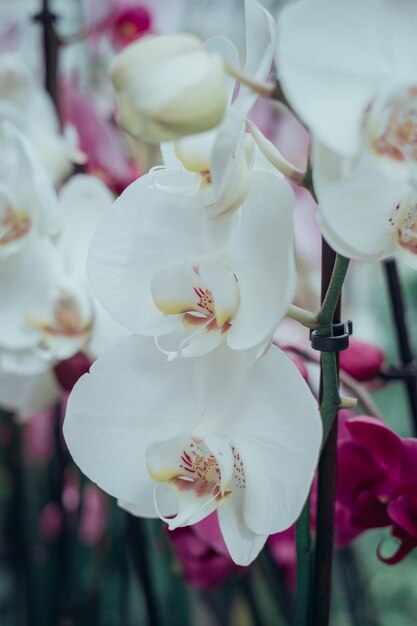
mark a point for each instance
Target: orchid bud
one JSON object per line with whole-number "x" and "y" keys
{"x": 168, "y": 87}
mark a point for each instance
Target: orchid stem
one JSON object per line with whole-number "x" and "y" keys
{"x": 332, "y": 294}
{"x": 334, "y": 268}
{"x": 347, "y": 402}
{"x": 264, "y": 89}
{"x": 306, "y": 318}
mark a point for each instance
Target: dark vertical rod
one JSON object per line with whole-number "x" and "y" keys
{"x": 138, "y": 547}
{"x": 403, "y": 336}
{"x": 50, "y": 49}
{"x": 326, "y": 484}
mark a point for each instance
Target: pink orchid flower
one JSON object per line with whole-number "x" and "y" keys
{"x": 99, "y": 139}
{"x": 381, "y": 491}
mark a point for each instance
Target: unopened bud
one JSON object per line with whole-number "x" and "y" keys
{"x": 168, "y": 87}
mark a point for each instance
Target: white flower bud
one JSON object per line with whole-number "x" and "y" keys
{"x": 168, "y": 87}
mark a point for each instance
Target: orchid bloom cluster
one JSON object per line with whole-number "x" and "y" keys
{"x": 196, "y": 412}
{"x": 362, "y": 116}
{"x": 49, "y": 313}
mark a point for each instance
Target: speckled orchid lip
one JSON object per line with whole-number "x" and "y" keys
{"x": 390, "y": 124}
{"x": 15, "y": 226}
{"x": 203, "y": 473}
{"x": 65, "y": 330}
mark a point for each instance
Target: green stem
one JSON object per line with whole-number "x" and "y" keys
{"x": 306, "y": 318}
{"x": 329, "y": 407}
{"x": 330, "y": 403}
{"x": 328, "y": 307}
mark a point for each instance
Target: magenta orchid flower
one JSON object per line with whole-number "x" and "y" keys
{"x": 381, "y": 491}
{"x": 98, "y": 139}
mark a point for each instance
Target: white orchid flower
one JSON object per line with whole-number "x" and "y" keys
{"x": 45, "y": 314}
{"x": 49, "y": 313}
{"x": 218, "y": 163}
{"x": 160, "y": 268}
{"x": 27, "y": 105}
{"x": 349, "y": 71}
{"x": 28, "y": 202}
{"x": 84, "y": 201}
{"x": 211, "y": 432}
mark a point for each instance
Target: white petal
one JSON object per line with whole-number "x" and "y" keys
{"x": 24, "y": 362}
{"x": 19, "y": 162}
{"x": 191, "y": 339}
{"x": 318, "y": 55}
{"x": 263, "y": 260}
{"x": 355, "y": 208}
{"x": 105, "y": 332}
{"x": 243, "y": 545}
{"x": 228, "y": 52}
{"x": 28, "y": 394}
{"x": 84, "y": 200}
{"x": 260, "y": 45}
{"x": 146, "y": 231}
{"x": 167, "y": 505}
{"x": 175, "y": 289}
{"x": 276, "y": 429}
{"x": 217, "y": 380}
{"x": 225, "y": 147}
{"x": 174, "y": 180}
{"x": 130, "y": 399}
{"x": 26, "y": 290}
{"x": 236, "y": 189}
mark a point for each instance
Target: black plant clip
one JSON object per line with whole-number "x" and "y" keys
{"x": 338, "y": 341}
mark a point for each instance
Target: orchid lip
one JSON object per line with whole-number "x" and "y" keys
{"x": 15, "y": 226}
{"x": 201, "y": 472}
{"x": 390, "y": 123}
{"x": 206, "y": 298}
{"x": 64, "y": 332}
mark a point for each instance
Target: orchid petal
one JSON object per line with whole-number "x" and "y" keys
{"x": 174, "y": 180}
{"x": 317, "y": 55}
{"x": 176, "y": 289}
{"x": 260, "y": 45}
{"x": 193, "y": 338}
{"x": 83, "y": 201}
{"x": 224, "y": 151}
{"x": 242, "y": 544}
{"x": 355, "y": 211}
{"x": 228, "y": 52}
{"x": 26, "y": 290}
{"x": 217, "y": 380}
{"x": 279, "y": 450}
{"x": 234, "y": 194}
{"x": 111, "y": 416}
{"x": 263, "y": 250}
{"x": 146, "y": 231}
{"x": 27, "y": 395}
